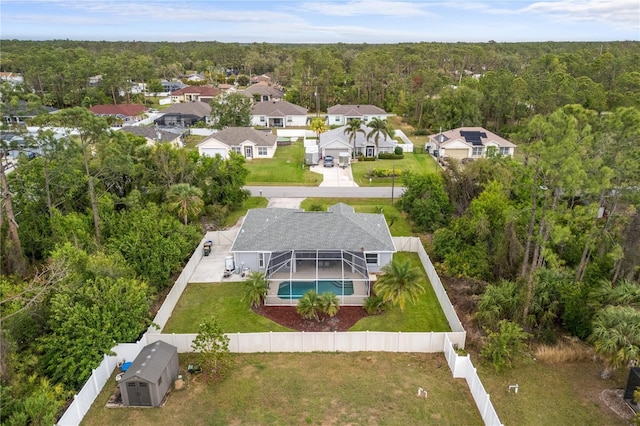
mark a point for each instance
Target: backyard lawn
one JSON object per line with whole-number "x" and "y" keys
{"x": 222, "y": 300}
{"x": 400, "y": 226}
{"x": 285, "y": 168}
{"x": 416, "y": 163}
{"x": 363, "y": 388}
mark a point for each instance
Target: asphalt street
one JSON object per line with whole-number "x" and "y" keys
{"x": 325, "y": 192}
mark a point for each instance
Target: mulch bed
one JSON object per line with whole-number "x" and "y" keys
{"x": 288, "y": 317}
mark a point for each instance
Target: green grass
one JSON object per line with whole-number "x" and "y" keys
{"x": 424, "y": 315}
{"x": 416, "y": 163}
{"x": 558, "y": 394}
{"x": 250, "y": 203}
{"x": 285, "y": 168}
{"x": 366, "y": 388}
{"x": 400, "y": 227}
{"x": 224, "y": 302}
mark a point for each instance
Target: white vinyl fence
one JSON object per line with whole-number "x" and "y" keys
{"x": 461, "y": 367}
{"x": 297, "y": 341}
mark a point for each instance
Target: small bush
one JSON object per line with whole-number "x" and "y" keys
{"x": 385, "y": 173}
{"x": 420, "y": 132}
{"x": 363, "y": 158}
{"x": 504, "y": 346}
{"x": 398, "y": 151}
{"x": 389, "y": 156}
{"x": 374, "y": 305}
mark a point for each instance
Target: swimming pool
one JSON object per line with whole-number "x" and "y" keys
{"x": 295, "y": 289}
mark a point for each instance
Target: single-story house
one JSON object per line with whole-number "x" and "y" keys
{"x": 339, "y": 115}
{"x": 246, "y": 141}
{"x": 150, "y": 375}
{"x": 154, "y": 136}
{"x": 194, "y": 93}
{"x": 260, "y": 79}
{"x": 338, "y": 250}
{"x": 172, "y": 86}
{"x": 278, "y": 114}
{"x": 263, "y": 93}
{"x": 123, "y": 113}
{"x": 335, "y": 141}
{"x": 23, "y": 110}
{"x": 185, "y": 114}
{"x": 470, "y": 142}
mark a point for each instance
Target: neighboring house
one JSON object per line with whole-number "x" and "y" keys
{"x": 339, "y": 115}
{"x": 261, "y": 79}
{"x": 123, "y": 113}
{"x": 154, "y": 136}
{"x": 194, "y": 93}
{"x": 21, "y": 111}
{"x": 95, "y": 80}
{"x": 12, "y": 78}
{"x": 246, "y": 141}
{"x": 172, "y": 86}
{"x": 335, "y": 141}
{"x": 263, "y": 93}
{"x": 195, "y": 77}
{"x": 278, "y": 114}
{"x": 297, "y": 249}
{"x": 470, "y": 142}
{"x": 185, "y": 115}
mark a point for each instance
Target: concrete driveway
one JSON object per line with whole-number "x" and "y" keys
{"x": 335, "y": 177}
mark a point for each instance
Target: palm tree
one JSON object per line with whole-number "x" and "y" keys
{"x": 329, "y": 304}
{"x": 318, "y": 125}
{"x": 185, "y": 200}
{"x": 352, "y": 129}
{"x": 309, "y": 305}
{"x": 379, "y": 127}
{"x": 256, "y": 288}
{"x": 616, "y": 335}
{"x": 400, "y": 283}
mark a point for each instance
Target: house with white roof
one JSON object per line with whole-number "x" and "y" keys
{"x": 339, "y": 115}
{"x": 470, "y": 142}
{"x": 278, "y": 114}
{"x": 246, "y": 141}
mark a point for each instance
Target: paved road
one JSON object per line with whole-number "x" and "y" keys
{"x": 325, "y": 192}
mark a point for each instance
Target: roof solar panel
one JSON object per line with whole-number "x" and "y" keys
{"x": 473, "y": 137}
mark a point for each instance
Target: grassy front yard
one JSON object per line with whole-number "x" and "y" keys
{"x": 285, "y": 168}
{"x": 416, "y": 163}
{"x": 400, "y": 226}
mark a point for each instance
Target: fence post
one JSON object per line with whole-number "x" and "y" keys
{"x": 106, "y": 365}
{"x": 398, "y": 345}
{"x": 486, "y": 406}
{"x": 95, "y": 381}
{"x": 77, "y": 404}
{"x": 270, "y": 342}
{"x": 366, "y": 341}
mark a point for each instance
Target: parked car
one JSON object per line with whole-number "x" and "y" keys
{"x": 327, "y": 161}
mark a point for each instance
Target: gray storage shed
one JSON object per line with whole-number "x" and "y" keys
{"x": 147, "y": 380}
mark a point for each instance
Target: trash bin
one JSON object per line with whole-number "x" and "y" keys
{"x": 207, "y": 248}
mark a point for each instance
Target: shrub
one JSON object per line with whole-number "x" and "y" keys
{"x": 398, "y": 151}
{"x": 374, "y": 305}
{"x": 420, "y": 132}
{"x": 363, "y": 158}
{"x": 391, "y": 156}
{"x": 505, "y": 345}
{"x": 385, "y": 172}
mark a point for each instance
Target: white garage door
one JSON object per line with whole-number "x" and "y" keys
{"x": 212, "y": 152}
{"x": 334, "y": 152}
{"x": 458, "y": 154}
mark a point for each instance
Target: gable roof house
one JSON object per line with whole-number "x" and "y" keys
{"x": 154, "y": 136}
{"x": 335, "y": 141}
{"x": 123, "y": 113}
{"x": 278, "y": 114}
{"x": 343, "y": 256}
{"x": 470, "y": 142}
{"x": 194, "y": 93}
{"x": 22, "y": 111}
{"x": 339, "y": 115}
{"x": 263, "y": 93}
{"x": 185, "y": 114}
{"x": 246, "y": 141}
{"x": 260, "y": 79}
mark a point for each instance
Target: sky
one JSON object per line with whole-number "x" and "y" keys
{"x": 354, "y": 21}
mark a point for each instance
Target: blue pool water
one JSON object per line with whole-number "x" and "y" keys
{"x": 295, "y": 289}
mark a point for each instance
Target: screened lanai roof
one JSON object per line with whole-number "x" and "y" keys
{"x": 339, "y": 228}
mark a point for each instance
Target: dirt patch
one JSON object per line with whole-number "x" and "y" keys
{"x": 287, "y": 316}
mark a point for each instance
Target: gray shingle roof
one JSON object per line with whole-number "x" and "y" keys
{"x": 457, "y": 134}
{"x": 151, "y": 362}
{"x": 361, "y": 139}
{"x": 276, "y": 229}
{"x": 277, "y": 109}
{"x": 197, "y": 108}
{"x": 263, "y": 90}
{"x": 236, "y": 135}
{"x": 355, "y": 110}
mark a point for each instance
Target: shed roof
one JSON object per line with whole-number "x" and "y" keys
{"x": 339, "y": 228}
{"x": 150, "y": 362}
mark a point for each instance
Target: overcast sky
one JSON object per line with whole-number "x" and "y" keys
{"x": 358, "y": 21}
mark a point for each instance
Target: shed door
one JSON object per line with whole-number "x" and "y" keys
{"x": 139, "y": 393}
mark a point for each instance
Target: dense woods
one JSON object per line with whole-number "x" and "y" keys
{"x": 93, "y": 229}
